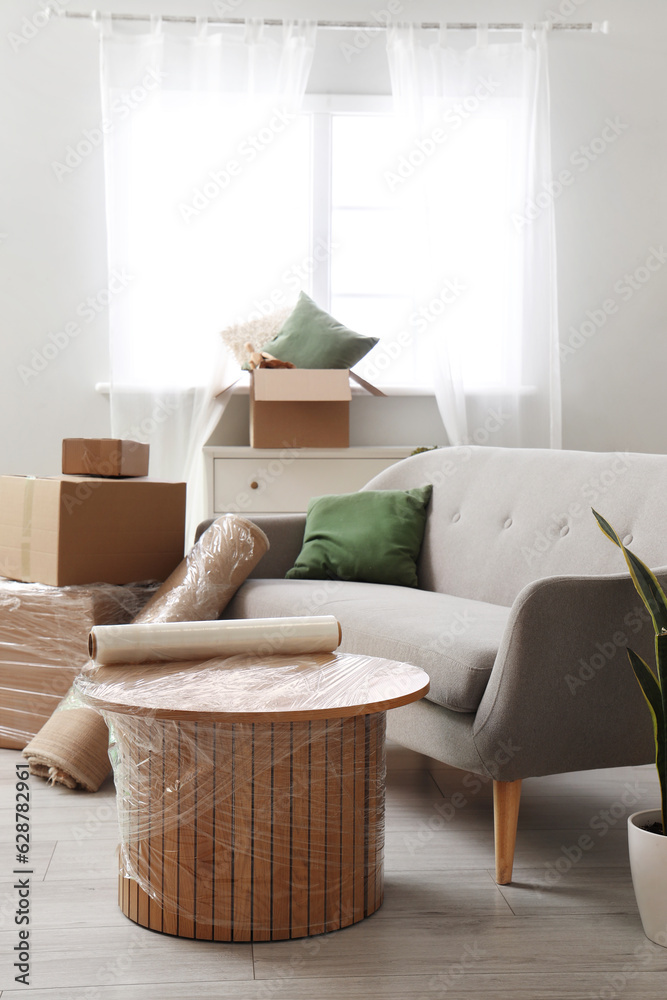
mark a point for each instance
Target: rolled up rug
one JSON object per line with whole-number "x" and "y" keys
{"x": 71, "y": 748}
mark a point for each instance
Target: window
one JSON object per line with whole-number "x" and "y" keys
{"x": 199, "y": 181}
{"x": 350, "y": 224}
{"x": 368, "y": 285}
{"x": 392, "y": 272}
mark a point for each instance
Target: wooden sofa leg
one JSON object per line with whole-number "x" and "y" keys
{"x": 506, "y": 799}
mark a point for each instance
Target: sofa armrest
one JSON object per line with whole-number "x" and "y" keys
{"x": 562, "y": 695}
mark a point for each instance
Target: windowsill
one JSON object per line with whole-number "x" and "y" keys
{"x": 104, "y": 388}
{"x": 242, "y": 388}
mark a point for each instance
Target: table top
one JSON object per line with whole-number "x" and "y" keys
{"x": 252, "y": 688}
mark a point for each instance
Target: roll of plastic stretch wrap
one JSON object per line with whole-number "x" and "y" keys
{"x": 160, "y": 641}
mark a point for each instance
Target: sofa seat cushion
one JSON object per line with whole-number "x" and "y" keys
{"x": 454, "y": 640}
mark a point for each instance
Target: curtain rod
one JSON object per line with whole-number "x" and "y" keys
{"x": 364, "y": 25}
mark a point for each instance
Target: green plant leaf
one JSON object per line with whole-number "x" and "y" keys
{"x": 661, "y": 662}
{"x": 607, "y": 528}
{"x": 653, "y": 695}
{"x": 650, "y": 689}
{"x": 654, "y": 688}
{"x": 644, "y": 580}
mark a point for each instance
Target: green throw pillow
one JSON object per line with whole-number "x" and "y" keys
{"x": 373, "y": 537}
{"x": 311, "y": 338}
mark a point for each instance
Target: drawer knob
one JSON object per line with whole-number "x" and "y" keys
{"x": 254, "y": 485}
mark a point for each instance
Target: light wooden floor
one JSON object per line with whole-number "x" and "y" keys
{"x": 563, "y": 930}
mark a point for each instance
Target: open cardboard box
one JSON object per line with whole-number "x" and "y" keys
{"x": 66, "y": 530}
{"x": 301, "y": 407}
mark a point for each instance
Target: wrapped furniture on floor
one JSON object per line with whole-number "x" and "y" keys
{"x": 44, "y": 643}
{"x": 198, "y": 589}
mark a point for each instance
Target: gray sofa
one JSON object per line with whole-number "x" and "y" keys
{"x": 521, "y": 618}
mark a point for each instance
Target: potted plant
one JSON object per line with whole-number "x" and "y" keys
{"x": 647, "y": 830}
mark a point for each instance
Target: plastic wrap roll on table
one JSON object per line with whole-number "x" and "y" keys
{"x": 71, "y": 748}
{"x": 162, "y": 641}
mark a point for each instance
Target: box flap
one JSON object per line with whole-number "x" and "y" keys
{"x": 301, "y": 384}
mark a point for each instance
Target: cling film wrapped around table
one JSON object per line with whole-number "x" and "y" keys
{"x": 250, "y": 789}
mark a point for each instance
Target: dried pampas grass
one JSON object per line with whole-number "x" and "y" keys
{"x": 257, "y": 332}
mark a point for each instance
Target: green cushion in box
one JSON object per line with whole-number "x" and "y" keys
{"x": 311, "y": 338}
{"x": 374, "y": 536}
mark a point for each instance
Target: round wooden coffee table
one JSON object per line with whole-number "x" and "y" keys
{"x": 251, "y": 790}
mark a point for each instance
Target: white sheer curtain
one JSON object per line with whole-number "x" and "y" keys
{"x": 475, "y": 171}
{"x": 205, "y": 161}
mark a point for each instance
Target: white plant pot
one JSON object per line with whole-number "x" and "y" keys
{"x": 648, "y": 864}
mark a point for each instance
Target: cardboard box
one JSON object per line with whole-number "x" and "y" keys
{"x": 300, "y": 408}
{"x": 104, "y": 457}
{"x": 67, "y": 530}
{"x": 44, "y": 643}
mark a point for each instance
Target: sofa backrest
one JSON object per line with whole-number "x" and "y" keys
{"x": 503, "y": 517}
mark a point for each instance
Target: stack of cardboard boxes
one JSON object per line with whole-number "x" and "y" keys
{"x": 68, "y": 545}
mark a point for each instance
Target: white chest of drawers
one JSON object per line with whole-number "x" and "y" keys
{"x": 245, "y": 480}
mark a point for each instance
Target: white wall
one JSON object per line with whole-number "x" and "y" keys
{"x": 52, "y": 242}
